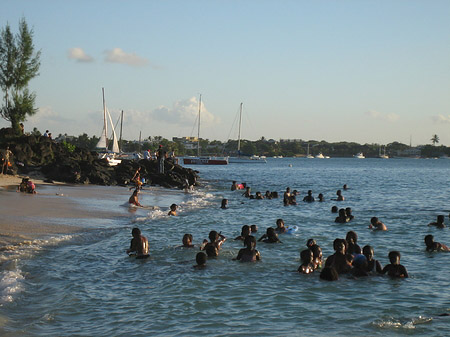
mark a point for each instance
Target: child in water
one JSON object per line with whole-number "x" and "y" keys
{"x": 224, "y": 204}
{"x": 138, "y": 245}
{"x": 280, "y": 227}
{"x": 248, "y": 254}
{"x": 253, "y": 228}
{"x": 216, "y": 240}
{"x": 360, "y": 266}
{"x": 352, "y": 247}
{"x": 270, "y": 236}
{"x": 376, "y": 224}
{"x": 342, "y": 218}
{"x": 245, "y": 231}
{"x": 173, "y": 210}
{"x": 395, "y": 269}
{"x": 372, "y": 264}
{"x": 307, "y": 265}
{"x": 433, "y": 246}
{"x": 317, "y": 256}
{"x": 200, "y": 258}
{"x": 187, "y": 241}
{"x": 439, "y": 223}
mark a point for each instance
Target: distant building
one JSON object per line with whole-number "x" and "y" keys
{"x": 291, "y": 140}
{"x": 409, "y": 152}
{"x": 189, "y": 143}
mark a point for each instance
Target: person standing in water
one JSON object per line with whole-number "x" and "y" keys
{"x": 134, "y": 200}
{"x": 139, "y": 245}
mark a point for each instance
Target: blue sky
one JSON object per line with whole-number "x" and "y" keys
{"x": 363, "y": 71}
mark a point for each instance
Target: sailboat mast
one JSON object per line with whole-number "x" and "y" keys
{"x": 105, "y": 125}
{"x": 239, "y": 134}
{"x": 198, "y": 131}
{"x": 120, "y": 138}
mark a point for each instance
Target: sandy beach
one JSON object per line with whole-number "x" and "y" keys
{"x": 26, "y": 217}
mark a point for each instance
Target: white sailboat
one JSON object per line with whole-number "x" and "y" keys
{"x": 205, "y": 160}
{"x": 244, "y": 159}
{"x": 308, "y": 155}
{"x": 103, "y": 142}
{"x": 383, "y": 156}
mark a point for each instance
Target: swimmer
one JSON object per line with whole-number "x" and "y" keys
{"x": 372, "y": 264}
{"x": 307, "y": 265}
{"x": 329, "y": 274}
{"x": 216, "y": 240}
{"x": 268, "y": 195}
{"x": 352, "y": 247}
{"x": 245, "y": 231}
{"x": 134, "y": 200}
{"x": 248, "y": 192}
{"x": 274, "y": 195}
{"x": 224, "y": 204}
{"x": 342, "y": 218}
{"x": 376, "y": 224}
{"x": 439, "y": 222}
{"x": 259, "y": 196}
{"x": 139, "y": 245}
{"x": 234, "y": 186}
{"x": 187, "y": 241}
{"x": 280, "y": 227}
{"x": 360, "y": 266}
{"x": 320, "y": 197}
{"x": 200, "y": 258}
{"x": 340, "y": 197}
{"x": 309, "y": 197}
{"x": 334, "y": 209}
{"x": 253, "y": 228}
{"x": 310, "y": 243}
{"x": 395, "y": 269}
{"x": 348, "y": 213}
{"x": 173, "y": 210}
{"x": 345, "y": 187}
{"x": 270, "y": 236}
{"x": 317, "y": 256}
{"x": 433, "y": 246}
{"x": 339, "y": 260}
{"x": 249, "y": 253}
{"x": 287, "y": 195}
{"x": 23, "y": 185}
{"x": 292, "y": 200}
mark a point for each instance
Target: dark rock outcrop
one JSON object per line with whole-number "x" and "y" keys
{"x": 65, "y": 163}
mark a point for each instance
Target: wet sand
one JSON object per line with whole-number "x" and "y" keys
{"x": 26, "y": 217}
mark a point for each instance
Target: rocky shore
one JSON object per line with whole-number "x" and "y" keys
{"x": 41, "y": 156}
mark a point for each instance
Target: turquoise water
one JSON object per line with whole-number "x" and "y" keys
{"x": 85, "y": 285}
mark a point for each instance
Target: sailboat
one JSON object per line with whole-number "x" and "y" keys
{"x": 199, "y": 160}
{"x": 383, "y": 156}
{"x": 244, "y": 159}
{"x": 308, "y": 155}
{"x": 103, "y": 142}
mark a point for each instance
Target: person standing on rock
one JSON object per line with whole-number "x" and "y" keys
{"x": 161, "y": 156}
{"x": 6, "y": 155}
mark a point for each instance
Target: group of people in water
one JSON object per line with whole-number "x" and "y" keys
{"x": 348, "y": 257}
{"x": 27, "y": 186}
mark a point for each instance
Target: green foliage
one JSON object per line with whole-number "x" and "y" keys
{"x": 69, "y": 147}
{"x": 19, "y": 63}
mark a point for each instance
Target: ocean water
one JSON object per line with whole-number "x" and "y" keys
{"x": 84, "y": 284}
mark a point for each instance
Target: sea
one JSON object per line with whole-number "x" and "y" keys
{"x": 84, "y": 284}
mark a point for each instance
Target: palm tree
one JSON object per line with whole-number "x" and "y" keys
{"x": 435, "y": 139}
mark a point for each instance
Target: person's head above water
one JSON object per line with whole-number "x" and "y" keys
{"x": 306, "y": 256}
{"x": 394, "y": 257}
{"x": 429, "y": 240}
{"x": 136, "y": 232}
{"x": 334, "y": 209}
{"x": 200, "y": 258}
{"x": 250, "y": 242}
{"x": 280, "y": 223}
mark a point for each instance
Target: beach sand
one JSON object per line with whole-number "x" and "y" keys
{"x": 26, "y": 217}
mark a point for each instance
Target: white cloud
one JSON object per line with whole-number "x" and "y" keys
{"x": 79, "y": 55}
{"x": 441, "y": 119}
{"x": 382, "y": 116}
{"x": 117, "y": 55}
{"x": 184, "y": 113}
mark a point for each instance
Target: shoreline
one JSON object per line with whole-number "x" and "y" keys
{"x": 25, "y": 216}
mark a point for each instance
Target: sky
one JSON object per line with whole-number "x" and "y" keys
{"x": 357, "y": 71}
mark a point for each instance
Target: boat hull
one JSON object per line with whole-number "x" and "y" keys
{"x": 205, "y": 161}
{"x": 236, "y": 160}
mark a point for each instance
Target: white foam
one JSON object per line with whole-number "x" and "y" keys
{"x": 10, "y": 284}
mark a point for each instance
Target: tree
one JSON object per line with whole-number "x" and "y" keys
{"x": 435, "y": 139}
{"x": 19, "y": 63}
